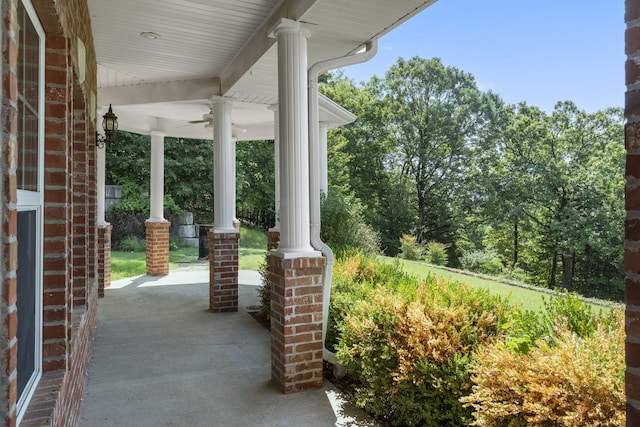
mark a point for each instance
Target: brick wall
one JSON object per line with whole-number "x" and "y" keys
{"x": 296, "y": 322}
{"x": 632, "y": 203}
{"x": 70, "y": 259}
{"x": 223, "y": 271}
{"x": 8, "y": 214}
{"x": 58, "y": 215}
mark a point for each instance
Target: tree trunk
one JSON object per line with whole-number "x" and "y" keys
{"x": 515, "y": 242}
{"x": 552, "y": 273}
{"x": 567, "y": 270}
{"x": 421, "y": 212}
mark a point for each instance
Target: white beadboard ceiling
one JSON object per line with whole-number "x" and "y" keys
{"x": 218, "y": 47}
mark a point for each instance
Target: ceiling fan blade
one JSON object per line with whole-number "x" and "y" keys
{"x": 193, "y": 122}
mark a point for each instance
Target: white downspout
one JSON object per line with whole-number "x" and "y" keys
{"x": 314, "y": 174}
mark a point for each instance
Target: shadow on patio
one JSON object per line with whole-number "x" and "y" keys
{"x": 160, "y": 358}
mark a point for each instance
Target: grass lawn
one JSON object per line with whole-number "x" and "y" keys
{"x": 528, "y": 298}
{"x": 253, "y": 245}
{"x": 129, "y": 264}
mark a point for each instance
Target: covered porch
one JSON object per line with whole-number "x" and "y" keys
{"x": 249, "y": 70}
{"x": 161, "y": 358}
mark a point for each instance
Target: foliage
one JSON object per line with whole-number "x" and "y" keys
{"x": 188, "y": 176}
{"x": 131, "y": 244}
{"x": 437, "y": 253}
{"x": 255, "y": 183}
{"x": 431, "y": 155}
{"x": 410, "y": 249}
{"x": 574, "y": 382}
{"x": 433, "y": 117}
{"x": 264, "y": 291}
{"x": 435, "y": 353}
{"x": 407, "y": 344}
{"x": 484, "y": 261}
{"x": 343, "y": 226}
{"x": 129, "y": 215}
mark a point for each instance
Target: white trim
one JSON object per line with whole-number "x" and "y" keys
{"x": 33, "y": 200}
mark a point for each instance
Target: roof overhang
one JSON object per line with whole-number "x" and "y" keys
{"x": 220, "y": 48}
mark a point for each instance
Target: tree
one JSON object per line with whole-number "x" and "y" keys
{"x": 570, "y": 165}
{"x": 255, "y": 182}
{"x": 433, "y": 118}
{"x": 360, "y": 158}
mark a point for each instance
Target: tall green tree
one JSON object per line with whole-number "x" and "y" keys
{"x": 433, "y": 117}
{"x": 569, "y": 166}
{"x": 360, "y": 159}
{"x": 255, "y": 182}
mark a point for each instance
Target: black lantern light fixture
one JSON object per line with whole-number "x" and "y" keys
{"x": 110, "y": 126}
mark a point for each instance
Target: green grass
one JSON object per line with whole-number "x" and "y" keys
{"x": 253, "y": 246}
{"x": 127, "y": 264}
{"x": 181, "y": 255}
{"x": 528, "y": 298}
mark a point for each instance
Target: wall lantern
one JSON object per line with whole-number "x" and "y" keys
{"x": 110, "y": 126}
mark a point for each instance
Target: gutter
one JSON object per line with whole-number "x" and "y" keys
{"x": 314, "y": 177}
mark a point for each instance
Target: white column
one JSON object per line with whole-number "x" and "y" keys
{"x": 276, "y": 146}
{"x": 224, "y": 179}
{"x": 100, "y": 184}
{"x": 295, "y": 240}
{"x": 324, "y": 159}
{"x": 156, "y": 195}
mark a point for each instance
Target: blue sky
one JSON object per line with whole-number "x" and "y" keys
{"x": 539, "y": 51}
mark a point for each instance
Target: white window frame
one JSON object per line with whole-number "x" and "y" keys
{"x": 34, "y": 200}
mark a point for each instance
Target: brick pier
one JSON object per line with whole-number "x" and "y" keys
{"x": 104, "y": 258}
{"x": 157, "y": 248}
{"x": 223, "y": 271}
{"x": 296, "y": 322}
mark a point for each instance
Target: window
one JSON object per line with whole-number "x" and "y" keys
{"x": 30, "y": 182}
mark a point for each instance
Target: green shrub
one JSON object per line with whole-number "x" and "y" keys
{"x": 406, "y": 344}
{"x": 264, "y": 291}
{"x": 343, "y": 226}
{"x": 129, "y": 215}
{"x": 410, "y": 248}
{"x": 437, "y": 253}
{"x": 131, "y": 244}
{"x": 482, "y": 261}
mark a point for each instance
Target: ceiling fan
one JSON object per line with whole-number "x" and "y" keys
{"x": 208, "y": 118}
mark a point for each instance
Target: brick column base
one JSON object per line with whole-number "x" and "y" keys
{"x": 296, "y": 322}
{"x": 223, "y": 271}
{"x": 273, "y": 239}
{"x": 104, "y": 258}
{"x": 157, "y": 248}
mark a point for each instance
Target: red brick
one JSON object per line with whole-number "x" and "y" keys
{"x": 632, "y": 40}
{"x": 11, "y": 324}
{"x": 632, "y": 104}
{"x": 632, "y": 323}
{"x": 632, "y": 292}
{"x": 631, "y": 13}
{"x": 632, "y": 385}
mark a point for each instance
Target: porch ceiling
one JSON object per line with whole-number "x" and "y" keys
{"x": 217, "y": 47}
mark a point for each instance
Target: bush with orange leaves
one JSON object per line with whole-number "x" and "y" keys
{"x": 575, "y": 381}
{"x": 406, "y": 344}
{"x": 432, "y": 353}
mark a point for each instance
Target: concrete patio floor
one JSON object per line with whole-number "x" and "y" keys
{"x": 160, "y": 358}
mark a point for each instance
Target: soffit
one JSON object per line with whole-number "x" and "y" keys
{"x": 218, "y": 47}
